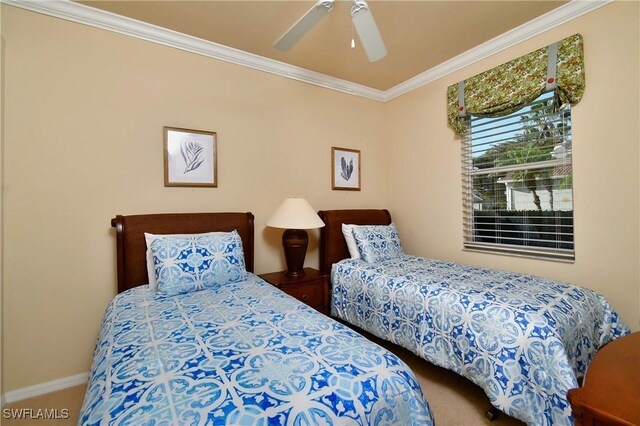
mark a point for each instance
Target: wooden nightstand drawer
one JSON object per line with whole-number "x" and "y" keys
{"x": 310, "y": 293}
{"x": 312, "y": 288}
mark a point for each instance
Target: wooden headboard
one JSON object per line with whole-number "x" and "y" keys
{"x": 131, "y": 246}
{"x": 333, "y": 247}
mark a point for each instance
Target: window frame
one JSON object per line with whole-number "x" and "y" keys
{"x": 530, "y": 244}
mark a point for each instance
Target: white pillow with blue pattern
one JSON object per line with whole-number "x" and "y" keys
{"x": 149, "y": 239}
{"x": 191, "y": 262}
{"x": 377, "y": 243}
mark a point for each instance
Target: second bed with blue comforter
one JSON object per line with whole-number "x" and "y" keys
{"x": 523, "y": 339}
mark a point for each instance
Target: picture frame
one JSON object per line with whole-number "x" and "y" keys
{"x": 190, "y": 157}
{"x": 345, "y": 169}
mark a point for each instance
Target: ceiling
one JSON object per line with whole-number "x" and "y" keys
{"x": 418, "y": 34}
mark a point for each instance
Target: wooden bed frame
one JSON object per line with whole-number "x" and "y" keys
{"x": 131, "y": 246}
{"x": 333, "y": 247}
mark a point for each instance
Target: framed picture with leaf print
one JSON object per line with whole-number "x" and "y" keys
{"x": 345, "y": 169}
{"x": 190, "y": 157}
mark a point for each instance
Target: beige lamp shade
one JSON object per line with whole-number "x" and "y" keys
{"x": 295, "y": 213}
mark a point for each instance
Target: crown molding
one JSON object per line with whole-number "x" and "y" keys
{"x": 549, "y": 20}
{"x": 77, "y": 12}
{"x": 82, "y": 14}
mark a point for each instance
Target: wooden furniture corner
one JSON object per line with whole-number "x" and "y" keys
{"x": 312, "y": 288}
{"x": 610, "y": 394}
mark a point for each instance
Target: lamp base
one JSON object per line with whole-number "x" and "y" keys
{"x": 295, "y": 243}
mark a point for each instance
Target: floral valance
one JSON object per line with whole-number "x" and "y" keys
{"x": 508, "y": 87}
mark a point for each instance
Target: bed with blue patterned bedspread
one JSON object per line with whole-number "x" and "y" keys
{"x": 523, "y": 339}
{"x": 243, "y": 353}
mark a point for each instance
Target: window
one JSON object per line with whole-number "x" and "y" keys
{"x": 518, "y": 182}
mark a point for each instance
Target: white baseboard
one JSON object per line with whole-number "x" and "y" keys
{"x": 42, "y": 388}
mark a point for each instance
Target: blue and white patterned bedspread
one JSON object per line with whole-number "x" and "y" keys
{"x": 243, "y": 354}
{"x": 523, "y": 339}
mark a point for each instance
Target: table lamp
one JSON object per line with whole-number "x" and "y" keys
{"x": 295, "y": 215}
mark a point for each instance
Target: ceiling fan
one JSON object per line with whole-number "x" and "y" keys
{"x": 362, "y": 20}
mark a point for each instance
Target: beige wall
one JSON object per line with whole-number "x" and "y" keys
{"x": 83, "y": 141}
{"x": 425, "y": 174}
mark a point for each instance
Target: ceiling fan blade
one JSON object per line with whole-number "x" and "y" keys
{"x": 304, "y": 24}
{"x": 368, "y": 31}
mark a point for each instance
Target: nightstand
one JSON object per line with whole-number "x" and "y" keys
{"x": 312, "y": 288}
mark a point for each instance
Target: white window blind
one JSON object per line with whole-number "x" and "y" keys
{"x": 518, "y": 182}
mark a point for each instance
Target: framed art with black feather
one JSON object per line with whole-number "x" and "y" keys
{"x": 345, "y": 169}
